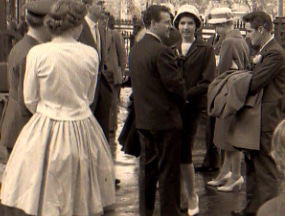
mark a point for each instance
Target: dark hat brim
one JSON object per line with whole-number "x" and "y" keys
{"x": 39, "y": 8}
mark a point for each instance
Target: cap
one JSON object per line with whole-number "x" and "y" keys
{"x": 40, "y": 7}
{"x": 188, "y": 9}
{"x": 220, "y": 15}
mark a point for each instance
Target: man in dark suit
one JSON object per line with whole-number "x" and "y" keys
{"x": 16, "y": 114}
{"x": 93, "y": 34}
{"x": 269, "y": 76}
{"x": 159, "y": 92}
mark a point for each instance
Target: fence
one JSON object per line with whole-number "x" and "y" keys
{"x": 129, "y": 28}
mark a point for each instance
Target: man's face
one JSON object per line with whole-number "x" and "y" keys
{"x": 96, "y": 8}
{"x": 253, "y": 35}
{"x": 162, "y": 28}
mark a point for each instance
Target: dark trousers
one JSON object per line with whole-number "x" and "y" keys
{"x": 160, "y": 161}
{"x": 101, "y": 106}
{"x": 262, "y": 175}
{"x": 212, "y": 157}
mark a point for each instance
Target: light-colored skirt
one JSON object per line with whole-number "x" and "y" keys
{"x": 60, "y": 168}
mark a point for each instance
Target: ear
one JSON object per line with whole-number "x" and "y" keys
{"x": 261, "y": 29}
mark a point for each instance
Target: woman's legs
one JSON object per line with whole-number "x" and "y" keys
{"x": 227, "y": 166}
{"x": 188, "y": 176}
{"x": 235, "y": 161}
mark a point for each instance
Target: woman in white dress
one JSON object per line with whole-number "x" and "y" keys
{"x": 61, "y": 163}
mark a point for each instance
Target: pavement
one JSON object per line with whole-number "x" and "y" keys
{"x": 212, "y": 202}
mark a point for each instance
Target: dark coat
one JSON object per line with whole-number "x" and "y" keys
{"x": 103, "y": 94}
{"x": 16, "y": 115}
{"x": 269, "y": 75}
{"x": 199, "y": 70}
{"x": 158, "y": 87}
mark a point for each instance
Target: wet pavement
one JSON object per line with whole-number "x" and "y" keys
{"x": 212, "y": 202}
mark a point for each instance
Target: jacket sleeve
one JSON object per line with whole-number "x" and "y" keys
{"x": 121, "y": 52}
{"x": 267, "y": 70}
{"x": 31, "y": 87}
{"x": 169, "y": 74}
{"x": 226, "y": 56}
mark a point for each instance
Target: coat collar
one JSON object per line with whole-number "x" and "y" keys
{"x": 198, "y": 42}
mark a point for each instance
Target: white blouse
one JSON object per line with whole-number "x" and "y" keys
{"x": 60, "y": 80}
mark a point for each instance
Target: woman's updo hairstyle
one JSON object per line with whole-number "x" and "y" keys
{"x": 64, "y": 15}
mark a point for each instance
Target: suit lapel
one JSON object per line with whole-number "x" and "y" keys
{"x": 86, "y": 35}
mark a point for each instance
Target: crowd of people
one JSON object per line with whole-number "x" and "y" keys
{"x": 60, "y": 120}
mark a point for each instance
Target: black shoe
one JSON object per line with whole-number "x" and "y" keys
{"x": 117, "y": 181}
{"x": 242, "y": 213}
{"x": 206, "y": 169}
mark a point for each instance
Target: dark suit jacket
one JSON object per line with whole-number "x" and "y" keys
{"x": 116, "y": 55}
{"x": 103, "y": 94}
{"x": 199, "y": 70}
{"x": 16, "y": 115}
{"x": 269, "y": 75}
{"x": 158, "y": 87}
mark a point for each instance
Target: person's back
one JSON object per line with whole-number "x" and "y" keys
{"x": 66, "y": 79}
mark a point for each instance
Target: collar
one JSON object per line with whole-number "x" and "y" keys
{"x": 270, "y": 39}
{"x": 154, "y": 35}
{"x": 90, "y": 22}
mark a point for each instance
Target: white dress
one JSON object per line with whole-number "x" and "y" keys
{"x": 61, "y": 164}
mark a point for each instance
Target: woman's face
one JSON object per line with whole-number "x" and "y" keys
{"x": 187, "y": 26}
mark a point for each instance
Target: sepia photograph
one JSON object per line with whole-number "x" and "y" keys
{"x": 142, "y": 108}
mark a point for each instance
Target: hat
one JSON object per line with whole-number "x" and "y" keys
{"x": 188, "y": 9}
{"x": 40, "y": 7}
{"x": 220, "y": 15}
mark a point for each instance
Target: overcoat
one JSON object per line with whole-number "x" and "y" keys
{"x": 16, "y": 115}
{"x": 158, "y": 87}
{"x": 103, "y": 93}
{"x": 199, "y": 70}
{"x": 234, "y": 55}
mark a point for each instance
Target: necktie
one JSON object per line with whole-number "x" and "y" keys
{"x": 97, "y": 40}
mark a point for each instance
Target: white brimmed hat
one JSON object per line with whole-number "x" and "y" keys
{"x": 188, "y": 9}
{"x": 220, "y": 15}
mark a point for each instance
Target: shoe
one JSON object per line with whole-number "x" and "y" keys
{"x": 117, "y": 181}
{"x": 206, "y": 169}
{"x": 196, "y": 210}
{"x": 219, "y": 182}
{"x": 238, "y": 183}
{"x": 242, "y": 213}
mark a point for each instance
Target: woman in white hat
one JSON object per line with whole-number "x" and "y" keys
{"x": 234, "y": 55}
{"x": 198, "y": 68}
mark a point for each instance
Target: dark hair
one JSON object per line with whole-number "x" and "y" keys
{"x": 64, "y": 15}
{"x": 35, "y": 20}
{"x": 154, "y": 13}
{"x": 111, "y": 22}
{"x": 257, "y": 19}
